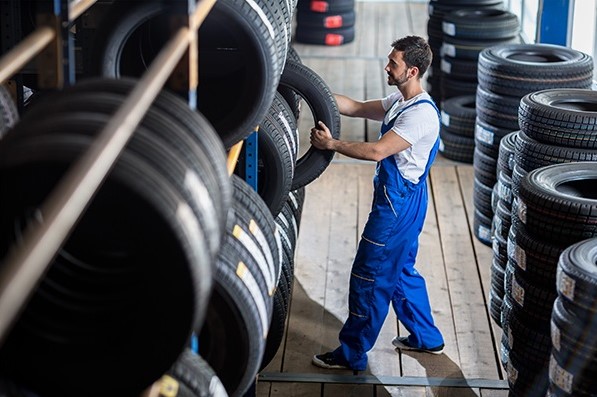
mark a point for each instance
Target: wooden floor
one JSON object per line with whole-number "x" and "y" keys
{"x": 456, "y": 266}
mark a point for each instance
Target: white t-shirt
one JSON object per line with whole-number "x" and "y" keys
{"x": 419, "y": 126}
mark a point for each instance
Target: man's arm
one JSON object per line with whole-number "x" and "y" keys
{"x": 371, "y": 109}
{"x": 388, "y": 145}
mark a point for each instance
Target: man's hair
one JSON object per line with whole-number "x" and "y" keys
{"x": 416, "y": 52}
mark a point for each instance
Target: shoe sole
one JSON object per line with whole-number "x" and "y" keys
{"x": 317, "y": 362}
{"x": 401, "y": 346}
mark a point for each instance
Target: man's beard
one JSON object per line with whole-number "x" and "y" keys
{"x": 397, "y": 83}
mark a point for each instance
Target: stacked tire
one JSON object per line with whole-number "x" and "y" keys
{"x": 573, "y": 322}
{"x": 330, "y": 23}
{"x": 457, "y": 132}
{"x": 553, "y": 201}
{"x": 506, "y": 73}
{"x": 501, "y": 203}
{"x": 437, "y": 10}
{"x": 556, "y": 208}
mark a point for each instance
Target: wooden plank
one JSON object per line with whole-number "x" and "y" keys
{"x": 473, "y": 333}
{"x": 483, "y": 254}
{"x": 494, "y": 393}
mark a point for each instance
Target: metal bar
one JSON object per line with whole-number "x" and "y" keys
{"x": 251, "y": 159}
{"x": 26, "y": 264}
{"x": 78, "y": 7}
{"x": 384, "y": 380}
{"x": 26, "y": 50}
{"x": 233, "y": 157}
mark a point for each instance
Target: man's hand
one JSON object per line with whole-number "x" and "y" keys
{"x": 321, "y": 137}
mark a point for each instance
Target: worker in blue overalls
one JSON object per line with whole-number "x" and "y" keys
{"x": 383, "y": 270}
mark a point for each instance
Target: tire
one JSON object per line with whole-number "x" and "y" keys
{"x": 191, "y": 376}
{"x": 328, "y": 37}
{"x": 484, "y": 167}
{"x": 498, "y": 110}
{"x": 482, "y": 199}
{"x": 482, "y": 228}
{"x": 505, "y": 162}
{"x": 458, "y": 115}
{"x": 558, "y": 203}
{"x": 517, "y": 70}
{"x": 480, "y": 24}
{"x": 456, "y": 68}
{"x": 577, "y": 278}
{"x": 103, "y": 335}
{"x": 562, "y": 117}
{"x": 470, "y": 48}
{"x": 452, "y": 87}
{"x": 309, "y": 86}
{"x": 489, "y": 135}
{"x": 456, "y": 147}
{"x": 233, "y": 337}
{"x": 276, "y": 157}
{"x": 531, "y": 154}
{"x": 252, "y": 74}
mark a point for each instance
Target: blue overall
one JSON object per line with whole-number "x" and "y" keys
{"x": 383, "y": 269}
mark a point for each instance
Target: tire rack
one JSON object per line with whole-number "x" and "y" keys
{"x": 25, "y": 265}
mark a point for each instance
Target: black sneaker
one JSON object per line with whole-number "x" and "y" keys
{"x": 402, "y": 343}
{"x": 328, "y": 361}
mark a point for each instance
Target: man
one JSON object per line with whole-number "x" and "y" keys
{"x": 383, "y": 269}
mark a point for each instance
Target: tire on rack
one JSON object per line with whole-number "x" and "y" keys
{"x": 191, "y": 376}
{"x": 498, "y": 110}
{"x": 563, "y": 117}
{"x": 325, "y": 21}
{"x": 517, "y": 69}
{"x": 470, "y": 48}
{"x": 456, "y": 147}
{"x": 329, "y": 37}
{"x": 101, "y": 335}
{"x": 310, "y": 87}
{"x": 323, "y": 6}
{"x": 137, "y": 30}
{"x": 233, "y": 337}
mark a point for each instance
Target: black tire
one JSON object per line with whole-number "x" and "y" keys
{"x": 482, "y": 228}
{"x": 489, "y": 136}
{"x": 484, "y": 167}
{"x": 502, "y": 222}
{"x": 456, "y": 68}
{"x": 504, "y": 190}
{"x": 498, "y": 110}
{"x": 470, "y": 48}
{"x": 328, "y": 37}
{"x": 320, "y": 99}
{"x": 505, "y": 163}
{"x": 233, "y": 337}
{"x": 558, "y": 203}
{"x": 482, "y": 195}
{"x": 191, "y": 376}
{"x": 452, "y": 87}
{"x": 456, "y": 147}
{"x": 440, "y": 8}
{"x": 517, "y": 70}
{"x": 562, "y": 117}
{"x": 577, "y": 278}
{"x": 458, "y": 115}
{"x": 525, "y": 378}
{"x": 101, "y": 335}
{"x": 536, "y": 259}
{"x": 276, "y": 158}
{"x": 480, "y": 24}
{"x": 531, "y": 154}
{"x": 229, "y": 24}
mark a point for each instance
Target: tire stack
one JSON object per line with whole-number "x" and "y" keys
{"x": 437, "y": 9}
{"x": 330, "y": 23}
{"x": 466, "y": 32}
{"x": 573, "y": 323}
{"x": 556, "y": 208}
{"x": 501, "y": 203}
{"x": 506, "y": 73}
{"x": 553, "y": 198}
